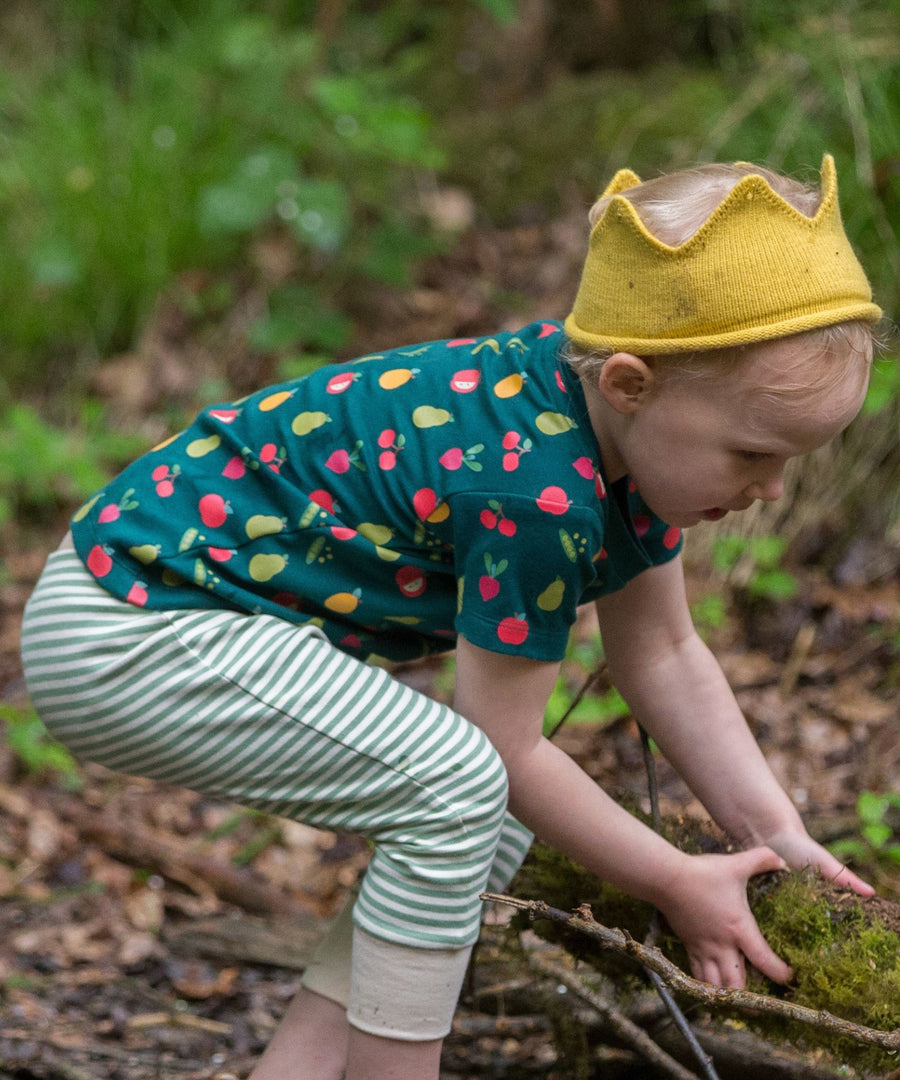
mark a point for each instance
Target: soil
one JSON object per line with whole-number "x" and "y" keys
{"x": 148, "y": 932}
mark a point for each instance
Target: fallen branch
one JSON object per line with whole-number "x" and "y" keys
{"x": 654, "y": 960}
{"x": 626, "y": 1029}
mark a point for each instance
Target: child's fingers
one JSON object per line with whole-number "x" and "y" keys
{"x": 761, "y": 955}
{"x": 758, "y": 860}
{"x": 849, "y": 880}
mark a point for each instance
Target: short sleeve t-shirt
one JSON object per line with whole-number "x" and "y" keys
{"x": 453, "y": 487}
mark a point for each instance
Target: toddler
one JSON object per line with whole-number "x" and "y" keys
{"x": 209, "y": 618}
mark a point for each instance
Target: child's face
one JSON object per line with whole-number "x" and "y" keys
{"x": 699, "y": 447}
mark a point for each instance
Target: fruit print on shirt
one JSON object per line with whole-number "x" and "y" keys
{"x": 364, "y": 496}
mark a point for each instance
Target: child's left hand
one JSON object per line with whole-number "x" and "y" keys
{"x": 800, "y": 851}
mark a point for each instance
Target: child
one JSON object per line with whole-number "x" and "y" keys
{"x": 206, "y": 623}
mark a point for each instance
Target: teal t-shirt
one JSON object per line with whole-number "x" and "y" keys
{"x": 453, "y": 487}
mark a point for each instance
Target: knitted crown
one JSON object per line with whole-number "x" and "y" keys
{"x": 757, "y": 269}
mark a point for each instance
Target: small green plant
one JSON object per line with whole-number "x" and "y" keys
{"x": 44, "y": 468}
{"x": 760, "y": 557}
{"x": 877, "y": 840}
{"x": 34, "y": 749}
{"x": 710, "y": 613}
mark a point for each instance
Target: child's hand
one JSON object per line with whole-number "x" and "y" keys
{"x": 710, "y": 913}
{"x": 799, "y": 850}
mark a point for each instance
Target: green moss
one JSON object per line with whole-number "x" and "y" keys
{"x": 845, "y": 951}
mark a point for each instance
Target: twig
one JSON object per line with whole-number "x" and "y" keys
{"x": 594, "y": 677}
{"x": 679, "y": 1019}
{"x": 626, "y": 1029}
{"x": 714, "y": 996}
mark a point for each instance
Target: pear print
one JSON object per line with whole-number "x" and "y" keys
{"x": 428, "y": 416}
{"x": 551, "y": 597}
{"x": 305, "y": 422}
{"x": 264, "y": 567}
{"x": 554, "y": 423}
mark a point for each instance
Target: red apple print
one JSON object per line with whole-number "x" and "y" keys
{"x": 137, "y": 594}
{"x": 464, "y": 382}
{"x": 341, "y": 532}
{"x": 220, "y": 554}
{"x": 235, "y": 468}
{"x": 98, "y": 561}
{"x": 513, "y": 630}
{"x": 337, "y": 384}
{"x": 641, "y": 524}
{"x": 410, "y": 580}
{"x": 671, "y": 537}
{"x": 506, "y": 527}
{"x": 424, "y": 503}
{"x": 323, "y": 499}
{"x": 160, "y": 472}
{"x": 386, "y": 438}
{"x": 110, "y": 512}
{"x": 461, "y": 341}
{"x": 225, "y": 416}
{"x": 387, "y": 459}
{"x": 584, "y": 467}
{"x": 213, "y": 510}
{"x": 338, "y": 462}
{"x": 511, "y": 439}
{"x": 547, "y": 329}
{"x": 553, "y": 500}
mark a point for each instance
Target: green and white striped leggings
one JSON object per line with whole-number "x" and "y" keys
{"x": 256, "y": 710}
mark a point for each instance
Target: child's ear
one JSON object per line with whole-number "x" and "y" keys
{"x": 626, "y": 381}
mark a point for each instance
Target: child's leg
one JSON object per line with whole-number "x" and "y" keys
{"x": 258, "y": 711}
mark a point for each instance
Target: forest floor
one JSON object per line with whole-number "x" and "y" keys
{"x": 148, "y": 932}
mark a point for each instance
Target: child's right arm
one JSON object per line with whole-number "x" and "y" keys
{"x": 704, "y": 898}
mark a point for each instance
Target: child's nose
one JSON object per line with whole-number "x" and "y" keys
{"x": 768, "y": 490}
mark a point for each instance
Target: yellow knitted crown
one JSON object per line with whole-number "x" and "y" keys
{"x": 757, "y": 269}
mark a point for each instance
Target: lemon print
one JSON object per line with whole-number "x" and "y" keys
{"x": 274, "y": 400}
{"x": 305, "y": 422}
{"x": 551, "y": 597}
{"x": 554, "y": 423}
{"x": 390, "y": 380}
{"x": 343, "y": 602}
{"x": 509, "y": 386}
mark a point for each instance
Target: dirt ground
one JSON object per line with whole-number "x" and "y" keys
{"x": 148, "y": 932}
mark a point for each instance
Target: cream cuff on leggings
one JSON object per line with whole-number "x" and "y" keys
{"x": 395, "y": 991}
{"x": 400, "y": 992}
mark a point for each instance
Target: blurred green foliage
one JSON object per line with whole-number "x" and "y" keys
{"x": 148, "y": 139}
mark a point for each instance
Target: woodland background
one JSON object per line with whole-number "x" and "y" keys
{"x": 198, "y": 197}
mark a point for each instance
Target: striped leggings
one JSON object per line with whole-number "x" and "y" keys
{"x": 256, "y": 710}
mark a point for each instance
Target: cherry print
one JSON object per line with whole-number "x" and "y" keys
{"x": 515, "y": 447}
{"x": 511, "y": 439}
{"x": 494, "y": 518}
{"x": 160, "y": 472}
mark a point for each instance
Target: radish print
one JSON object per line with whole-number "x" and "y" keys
{"x": 488, "y": 585}
{"x": 455, "y": 458}
{"x": 340, "y": 461}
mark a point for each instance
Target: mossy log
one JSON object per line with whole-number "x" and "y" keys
{"x": 845, "y": 950}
